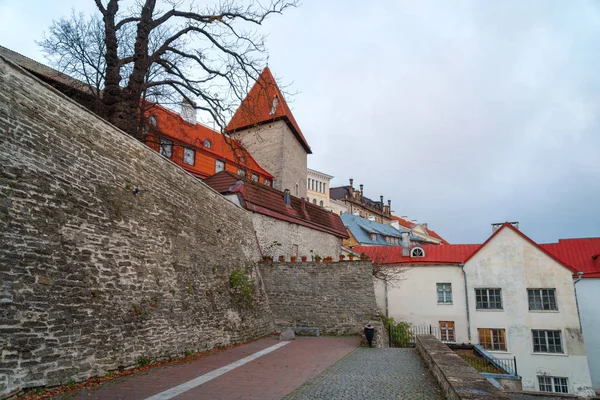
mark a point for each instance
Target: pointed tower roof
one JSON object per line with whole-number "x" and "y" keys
{"x": 263, "y": 104}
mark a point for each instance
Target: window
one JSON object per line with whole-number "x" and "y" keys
{"x": 553, "y": 384}
{"x": 488, "y": 299}
{"x": 219, "y": 166}
{"x": 417, "y": 252}
{"x": 255, "y": 177}
{"x": 492, "y": 339}
{"x": 207, "y": 143}
{"x": 275, "y": 104}
{"x": 267, "y": 182}
{"x": 152, "y": 120}
{"x": 241, "y": 172}
{"x": 314, "y": 201}
{"x": 189, "y": 156}
{"x": 321, "y": 203}
{"x": 373, "y": 236}
{"x": 444, "y": 293}
{"x": 447, "y": 331}
{"x": 542, "y": 299}
{"x": 166, "y": 148}
{"x": 546, "y": 341}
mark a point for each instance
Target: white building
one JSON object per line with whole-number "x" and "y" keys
{"x": 317, "y": 184}
{"x": 509, "y": 295}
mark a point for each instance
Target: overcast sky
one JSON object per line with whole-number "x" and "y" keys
{"x": 463, "y": 113}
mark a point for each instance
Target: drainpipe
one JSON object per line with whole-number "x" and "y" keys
{"x": 387, "y": 314}
{"x": 579, "y": 276}
{"x": 462, "y": 267}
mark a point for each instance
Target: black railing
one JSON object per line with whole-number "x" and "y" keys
{"x": 492, "y": 365}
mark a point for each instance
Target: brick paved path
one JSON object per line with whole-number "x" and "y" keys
{"x": 271, "y": 376}
{"x": 373, "y": 374}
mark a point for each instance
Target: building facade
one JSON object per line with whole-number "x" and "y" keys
{"x": 358, "y": 204}
{"x": 317, "y": 184}
{"x": 338, "y": 207}
{"x": 508, "y": 295}
{"x": 266, "y": 127}
{"x": 285, "y": 225}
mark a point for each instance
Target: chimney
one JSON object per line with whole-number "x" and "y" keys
{"x": 414, "y": 221}
{"x": 351, "y": 184}
{"x": 287, "y": 198}
{"x": 498, "y": 225}
{"x": 381, "y": 200}
{"x": 389, "y": 207}
{"x": 371, "y": 218}
{"x": 188, "y": 112}
{"x": 361, "y": 191}
{"x": 405, "y": 244}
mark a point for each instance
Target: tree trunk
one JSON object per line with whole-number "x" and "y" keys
{"x": 112, "y": 92}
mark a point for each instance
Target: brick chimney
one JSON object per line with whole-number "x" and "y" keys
{"x": 381, "y": 201}
{"x": 361, "y": 191}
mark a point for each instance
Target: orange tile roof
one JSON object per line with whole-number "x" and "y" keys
{"x": 410, "y": 225}
{"x": 256, "y": 108}
{"x": 173, "y": 125}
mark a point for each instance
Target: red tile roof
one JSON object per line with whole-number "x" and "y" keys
{"x": 582, "y": 254}
{"x": 256, "y": 108}
{"x": 410, "y": 225}
{"x": 265, "y": 200}
{"x": 171, "y": 124}
{"x": 574, "y": 254}
{"x": 434, "y": 254}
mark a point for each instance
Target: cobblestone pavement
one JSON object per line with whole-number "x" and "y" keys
{"x": 373, "y": 374}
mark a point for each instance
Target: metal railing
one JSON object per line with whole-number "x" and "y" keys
{"x": 493, "y": 365}
{"x": 403, "y": 334}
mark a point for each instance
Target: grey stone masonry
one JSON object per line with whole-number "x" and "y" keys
{"x": 109, "y": 253}
{"x": 336, "y": 297}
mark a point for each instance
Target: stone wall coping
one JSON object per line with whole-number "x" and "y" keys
{"x": 456, "y": 377}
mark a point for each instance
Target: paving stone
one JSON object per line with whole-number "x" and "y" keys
{"x": 373, "y": 374}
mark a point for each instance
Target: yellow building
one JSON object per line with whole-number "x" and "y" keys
{"x": 318, "y": 188}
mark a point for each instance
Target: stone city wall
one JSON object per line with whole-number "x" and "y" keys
{"x": 109, "y": 253}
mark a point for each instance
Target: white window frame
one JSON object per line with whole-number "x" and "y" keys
{"x": 166, "y": 148}
{"x": 221, "y": 164}
{"x": 267, "y": 182}
{"x": 445, "y": 289}
{"x": 207, "y": 143}
{"x": 241, "y": 171}
{"x": 446, "y": 330}
{"x": 417, "y": 252}
{"x": 186, "y": 152}
{"x": 544, "y": 298}
{"x": 255, "y": 177}
{"x": 553, "y": 383}
{"x": 486, "y": 292}
{"x": 546, "y": 343}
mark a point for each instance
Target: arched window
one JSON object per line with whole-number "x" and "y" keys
{"x": 417, "y": 252}
{"x": 152, "y": 120}
{"x": 321, "y": 203}
{"x": 314, "y": 201}
{"x": 207, "y": 143}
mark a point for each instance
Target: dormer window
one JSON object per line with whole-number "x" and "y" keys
{"x": 373, "y": 237}
{"x": 152, "y": 120}
{"x": 275, "y": 104}
{"x": 417, "y": 252}
{"x": 207, "y": 143}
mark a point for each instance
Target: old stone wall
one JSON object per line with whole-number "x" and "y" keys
{"x": 336, "y": 297}
{"x": 293, "y": 238}
{"x": 277, "y": 150}
{"x": 109, "y": 253}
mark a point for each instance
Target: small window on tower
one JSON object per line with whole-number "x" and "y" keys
{"x": 275, "y": 104}
{"x": 207, "y": 143}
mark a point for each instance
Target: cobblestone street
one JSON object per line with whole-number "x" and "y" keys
{"x": 373, "y": 374}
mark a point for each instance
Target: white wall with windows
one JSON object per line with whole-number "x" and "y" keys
{"x": 317, "y": 184}
{"x": 427, "y": 295}
{"x": 522, "y": 303}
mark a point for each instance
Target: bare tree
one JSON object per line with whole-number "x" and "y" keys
{"x": 209, "y": 57}
{"x": 392, "y": 275}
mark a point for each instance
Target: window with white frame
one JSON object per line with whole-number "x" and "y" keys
{"x": 241, "y": 172}
{"x": 255, "y": 177}
{"x": 542, "y": 299}
{"x": 488, "y": 299}
{"x": 444, "y": 293}
{"x": 267, "y": 182}
{"x": 274, "y": 105}
{"x": 373, "y": 236}
{"x": 189, "y": 156}
{"x": 447, "y": 331}
{"x": 166, "y": 148}
{"x": 492, "y": 339}
{"x": 417, "y": 252}
{"x": 546, "y": 341}
{"x": 207, "y": 143}
{"x": 553, "y": 384}
{"x": 219, "y": 166}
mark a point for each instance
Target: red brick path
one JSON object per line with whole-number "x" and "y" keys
{"x": 271, "y": 376}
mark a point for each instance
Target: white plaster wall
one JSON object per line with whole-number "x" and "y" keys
{"x": 587, "y": 294}
{"x": 414, "y": 299}
{"x": 338, "y": 207}
{"x": 511, "y": 263}
{"x": 270, "y": 229}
